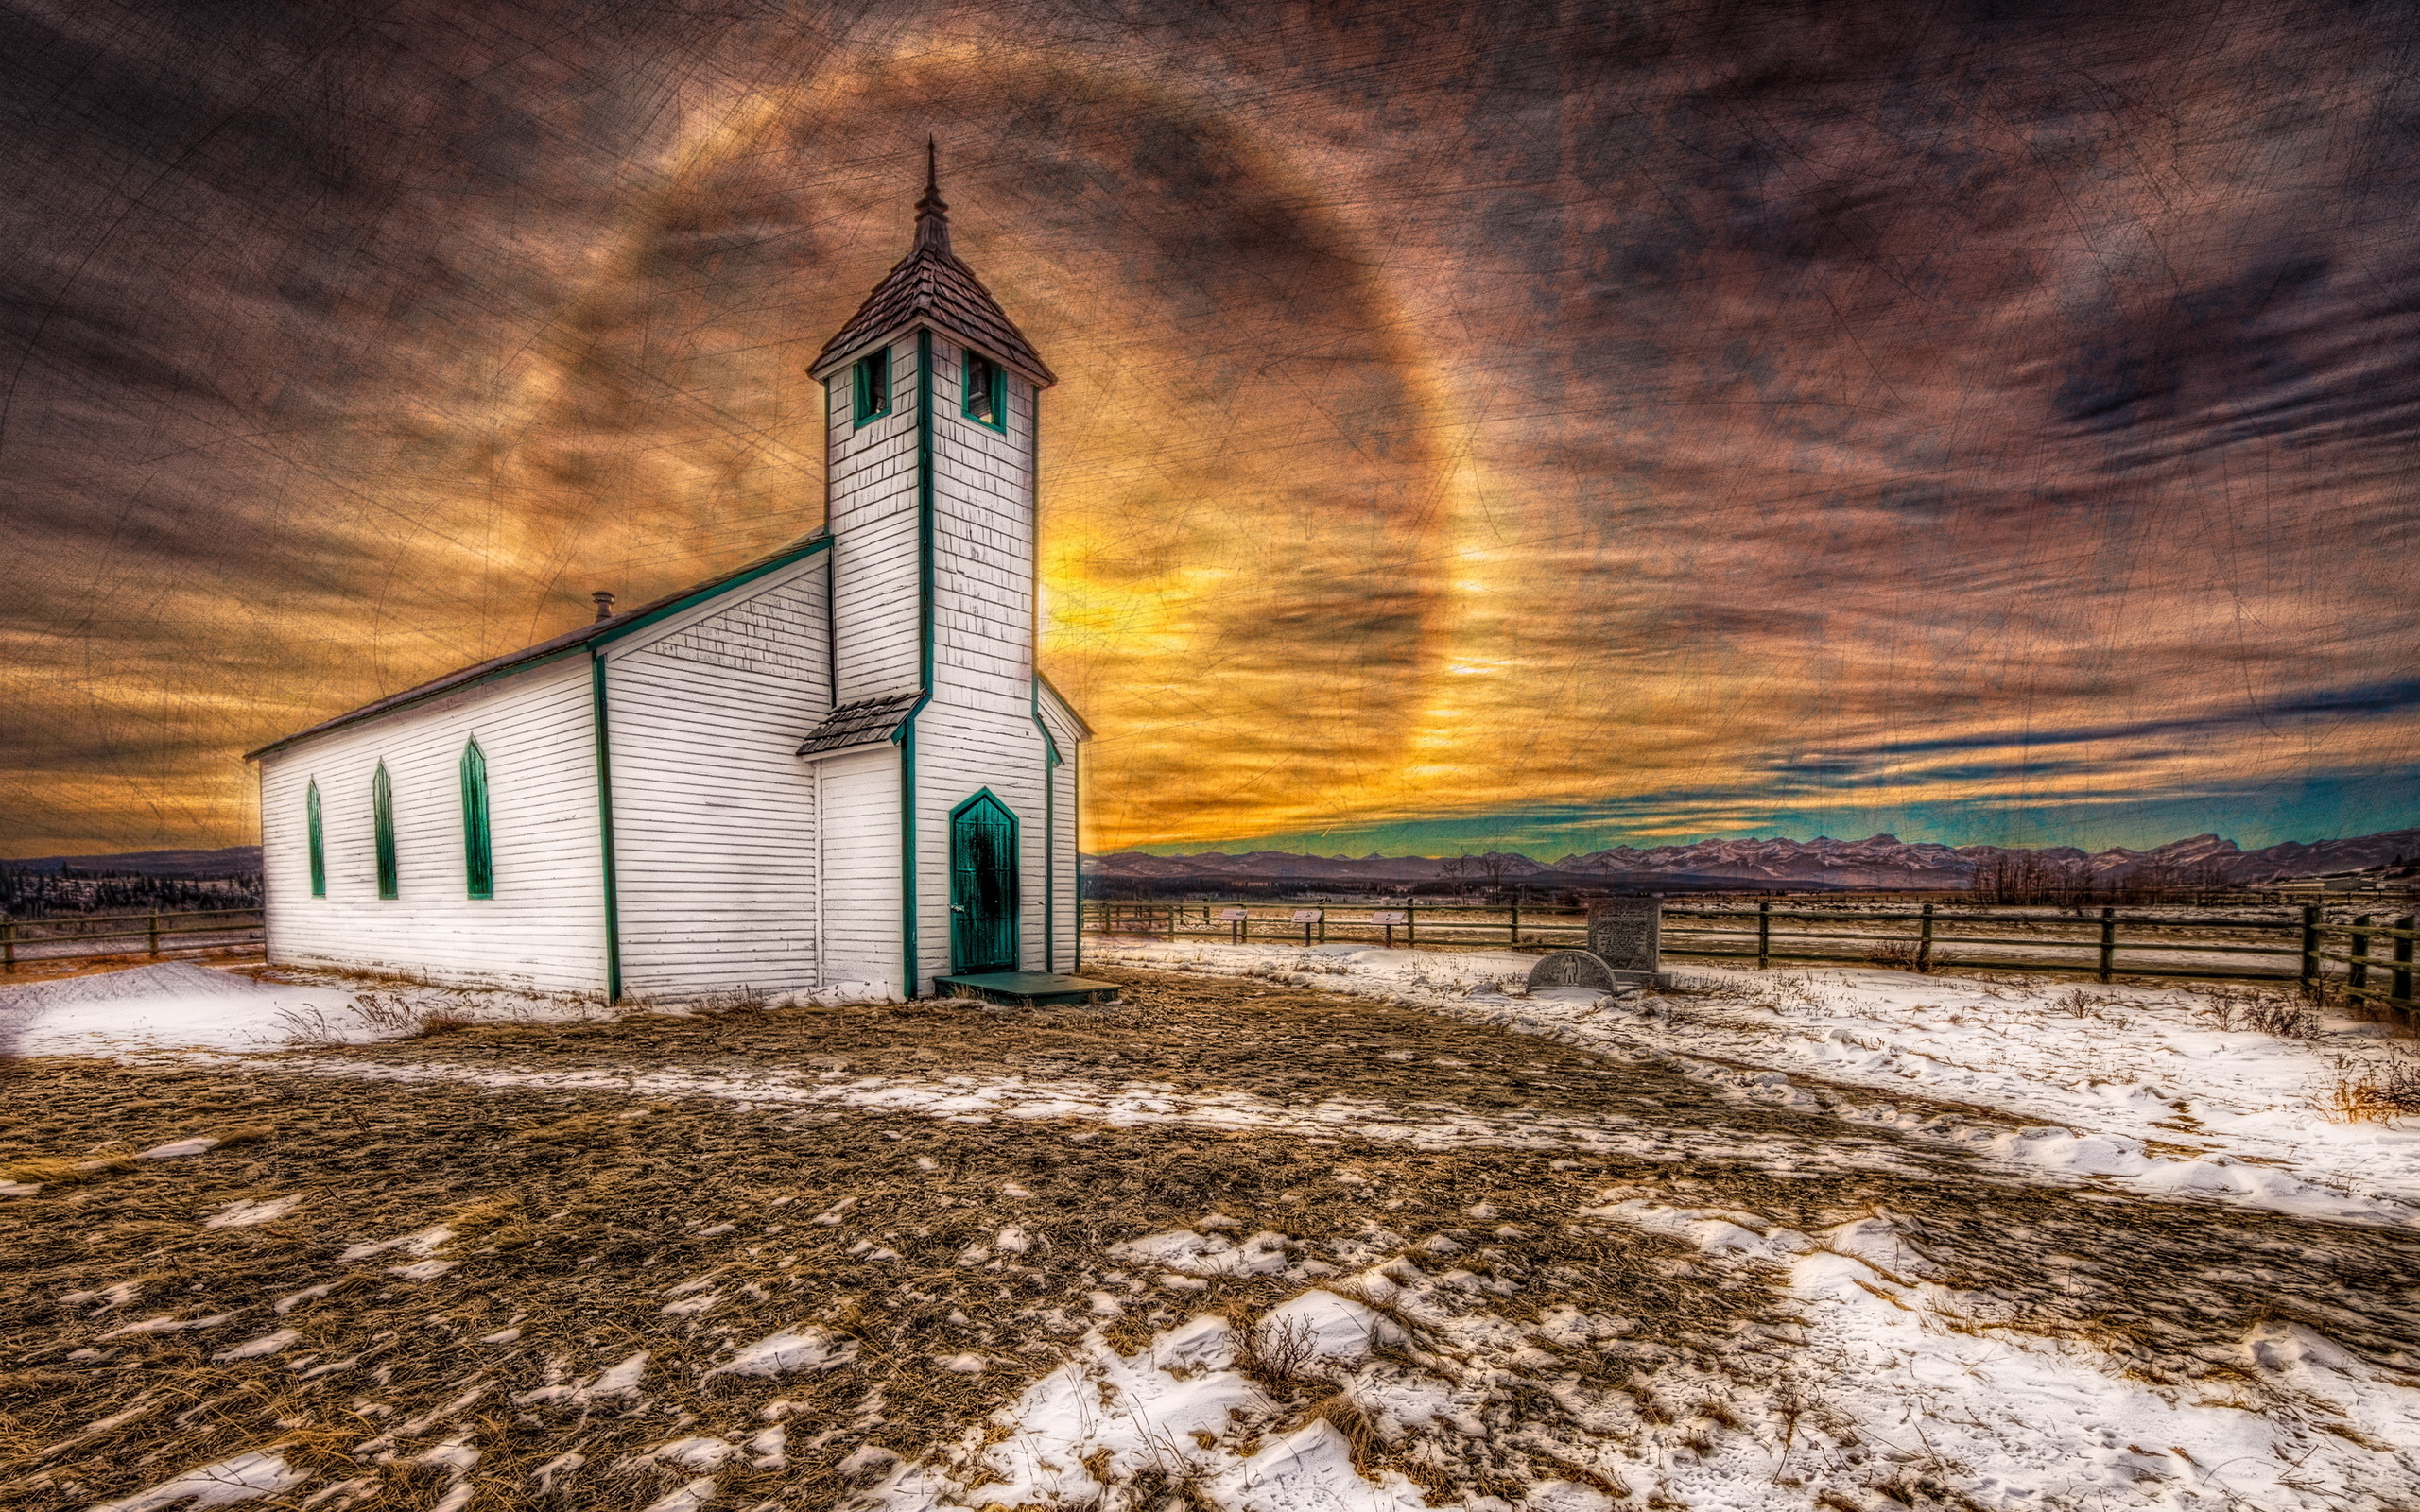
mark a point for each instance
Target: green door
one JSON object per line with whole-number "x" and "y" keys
{"x": 983, "y": 887}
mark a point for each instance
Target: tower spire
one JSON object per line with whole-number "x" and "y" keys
{"x": 932, "y": 212}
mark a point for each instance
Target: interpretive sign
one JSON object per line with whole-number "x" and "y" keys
{"x": 1627, "y": 933}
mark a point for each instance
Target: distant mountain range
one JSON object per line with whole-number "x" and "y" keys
{"x": 235, "y": 860}
{"x": 1884, "y": 861}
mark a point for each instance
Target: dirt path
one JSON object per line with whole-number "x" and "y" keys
{"x": 948, "y": 1258}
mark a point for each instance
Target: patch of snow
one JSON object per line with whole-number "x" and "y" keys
{"x": 246, "y": 1477}
{"x": 254, "y": 1348}
{"x": 198, "y": 1145}
{"x": 1312, "y": 1470}
{"x": 185, "y": 1005}
{"x": 805, "y": 1347}
{"x": 2105, "y": 1072}
{"x": 703, "y": 1454}
{"x": 244, "y": 1214}
{"x": 167, "y": 1324}
{"x": 686, "y": 1499}
{"x": 420, "y": 1242}
{"x": 1189, "y": 1253}
{"x": 1324, "y": 1327}
{"x": 620, "y": 1381}
{"x": 768, "y": 1448}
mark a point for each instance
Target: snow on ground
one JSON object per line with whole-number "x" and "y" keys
{"x": 1889, "y": 1372}
{"x": 2135, "y": 1087}
{"x": 179, "y": 1005}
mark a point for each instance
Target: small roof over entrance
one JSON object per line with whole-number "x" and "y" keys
{"x": 867, "y": 722}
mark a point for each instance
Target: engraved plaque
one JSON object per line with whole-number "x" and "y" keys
{"x": 1627, "y": 933}
{"x": 1572, "y": 969}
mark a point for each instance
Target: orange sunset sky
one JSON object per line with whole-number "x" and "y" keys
{"x": 1546, "y": 426}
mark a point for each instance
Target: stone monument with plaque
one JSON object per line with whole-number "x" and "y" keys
{"x": 1627, "y": 934}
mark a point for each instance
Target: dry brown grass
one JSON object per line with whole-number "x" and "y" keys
{"x": 575, "y": 1220}
{"x": 2373, "y": 1092}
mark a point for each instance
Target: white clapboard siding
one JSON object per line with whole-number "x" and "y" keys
{"x": 545, "y": 928}
{"x": 961, "y": 753}
{"x": 860, "y": 828}
{"x": 714, "y": 813}
{"x": 1061, "y": 721}
{"x": 873, "y": 515}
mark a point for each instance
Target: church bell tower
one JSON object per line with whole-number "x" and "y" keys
{"x": 933, "y": 396}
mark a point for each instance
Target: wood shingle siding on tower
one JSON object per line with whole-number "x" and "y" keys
{"x": 874, "y": 538}
{"x": 749, "y": 785}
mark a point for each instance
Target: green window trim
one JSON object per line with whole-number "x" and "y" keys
{"x": 870, "y": 386}
{"x": 983, "y": 391}
{"x": 318, "y": 840}
{"x": 382, "y": 831}
{"x": 478, "y": 851}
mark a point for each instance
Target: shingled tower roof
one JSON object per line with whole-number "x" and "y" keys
{"x": 930, "y": 286}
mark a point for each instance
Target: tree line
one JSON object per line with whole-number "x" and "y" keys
{"x": 2026, "y": 877}
{"x": 72, "y": 891}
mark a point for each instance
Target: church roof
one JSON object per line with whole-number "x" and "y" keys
{"x": 931, "y": 286}
{"x": 589, "y": 634}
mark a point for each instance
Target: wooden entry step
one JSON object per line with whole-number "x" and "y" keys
{"x": 1027, "y": 989}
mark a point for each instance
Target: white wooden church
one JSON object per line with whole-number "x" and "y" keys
{"x": 836, "y": 766}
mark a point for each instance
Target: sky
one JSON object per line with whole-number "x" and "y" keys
{"x": 1533, "y": 426}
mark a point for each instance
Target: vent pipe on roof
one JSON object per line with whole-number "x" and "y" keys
{"x": 604, "y": 604}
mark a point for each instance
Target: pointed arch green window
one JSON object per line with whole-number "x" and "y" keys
{"x": 318, "y": 840}
{"x": 382, "y": 830}
{"x": 986, "y": 391}
{"x": 479, "y": 855}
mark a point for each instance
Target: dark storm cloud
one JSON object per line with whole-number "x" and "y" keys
{"x": 1630, "y": 415}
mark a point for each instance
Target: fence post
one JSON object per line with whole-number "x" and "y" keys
{"x": 2108, "y": 942}
{"x": 2400, "y": 983}
{"x": 1516, "y": 923}
{"x": 2359, "y": 972}
{"x": 1924, "y": 943}
{"x": 1323, "y": 926}
{"x": 1765, "y": 935}
{"x": 1410, "y": 926}
{"x": 2311, "y": 948}
{"x": 155, "y": 937}
{"x": 8, "y": 944}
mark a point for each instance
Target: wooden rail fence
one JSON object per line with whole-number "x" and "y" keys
{"x": 2370, "y": 957}
{"x": 31, "y": 939}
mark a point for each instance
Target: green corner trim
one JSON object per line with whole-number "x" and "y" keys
{"x": 910, "y": 967}
{"x": 1076, "y": 843}
{"x": 605, "y": 829}
{"x": 1052, "y": 761}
